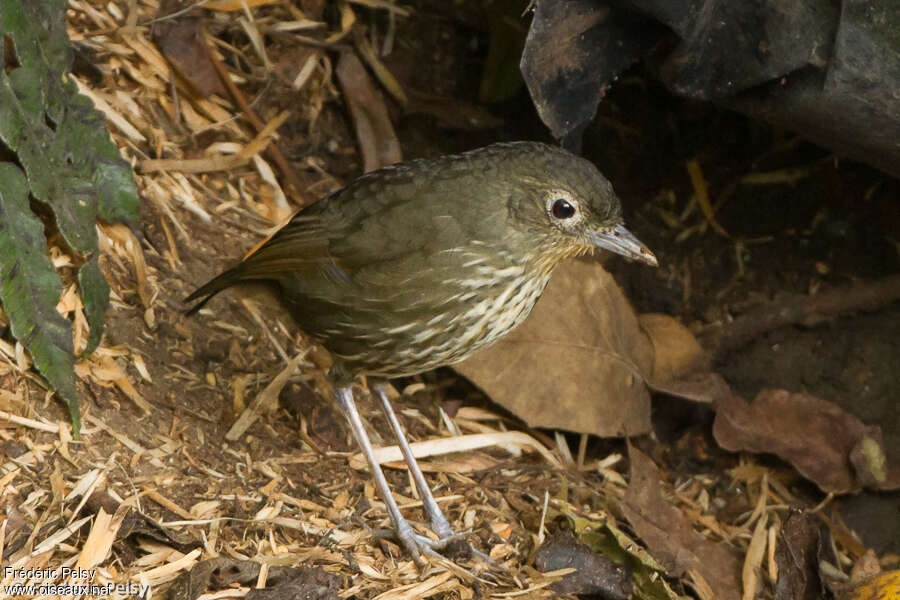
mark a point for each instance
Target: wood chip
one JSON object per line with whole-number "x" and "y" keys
{"x": 266, "y": 399}
{"x": 440, "y": 446}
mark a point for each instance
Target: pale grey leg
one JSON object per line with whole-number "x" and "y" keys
{"x": 438, "y": 521}
{"x": 415, "y": 544}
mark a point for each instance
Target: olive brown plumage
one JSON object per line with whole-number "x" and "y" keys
{"x": 420, "y": 264}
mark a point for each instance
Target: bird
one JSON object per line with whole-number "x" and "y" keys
{"x": 420, "y": 264}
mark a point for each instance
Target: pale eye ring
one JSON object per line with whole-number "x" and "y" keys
{"x": 562, "y": 209}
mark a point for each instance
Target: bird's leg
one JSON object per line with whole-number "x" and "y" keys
{"x": 415, "y": 544}
{"x": 438, "y": 521}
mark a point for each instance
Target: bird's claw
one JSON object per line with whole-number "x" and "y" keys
{"x": 419, "y": 545}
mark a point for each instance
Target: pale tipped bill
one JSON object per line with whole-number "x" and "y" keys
{"x": 621, "y": 241}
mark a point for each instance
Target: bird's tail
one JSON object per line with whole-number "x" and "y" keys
{"x": 206, "y": 292}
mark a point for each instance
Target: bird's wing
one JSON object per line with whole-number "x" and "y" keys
{"x": 384, "y": 239}
{"x": 299, "y": 248}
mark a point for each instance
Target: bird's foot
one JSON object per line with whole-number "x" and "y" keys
{"x": 416, "y": 545}
{"x": 451, "y": 545}
{"x": 454, "y": 546}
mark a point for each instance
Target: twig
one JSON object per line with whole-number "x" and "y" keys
{"x": 800, "y": 309}
{"x": 273, "y": 151}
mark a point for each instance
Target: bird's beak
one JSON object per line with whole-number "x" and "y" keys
{"x": 621, "y": 241}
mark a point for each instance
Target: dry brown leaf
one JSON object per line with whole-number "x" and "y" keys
{"x": 577, "y": 363}
{"x": 675, "y": 349}
{"x": 702, "y": 386}
{"x": 826, "y": 444}
{"x": 669, "y": 535}
{"x": 181, "y": 41}
{"x": 374, "y": 131}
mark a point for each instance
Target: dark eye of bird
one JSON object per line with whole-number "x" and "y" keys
{"x": 562, "y": 209}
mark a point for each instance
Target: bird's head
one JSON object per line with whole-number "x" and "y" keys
{"x": 565, "y": 201}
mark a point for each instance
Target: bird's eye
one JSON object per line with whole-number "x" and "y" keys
{"x": 562, "y": 209}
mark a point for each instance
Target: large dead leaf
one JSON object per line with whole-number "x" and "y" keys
{"x": 669, "y": 536}
{"x": 577, "y": 363}
{"x": 827, "y": 445}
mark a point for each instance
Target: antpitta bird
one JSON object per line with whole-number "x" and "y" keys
{"x": 418, "y": 265}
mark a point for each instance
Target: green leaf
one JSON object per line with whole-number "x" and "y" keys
{"x": 603, "y": 537}
{"x": 28, "y": 286}
{"x": 60, "y": 139}
{"x": 95, "y": 296}
{"x": 71, "y": 167}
